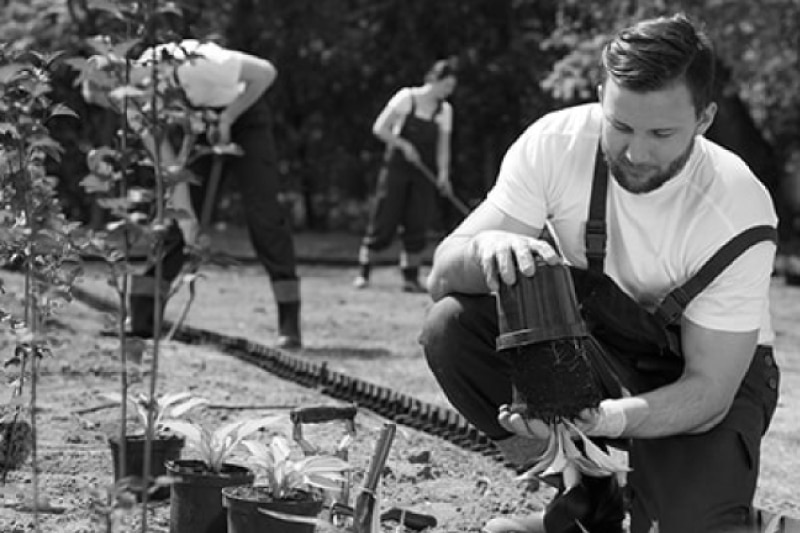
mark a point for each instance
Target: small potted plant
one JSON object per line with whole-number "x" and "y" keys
{"x": 196, "y": 496}
{"x": 166, "y": 446}
{"x": 287, "y": 492}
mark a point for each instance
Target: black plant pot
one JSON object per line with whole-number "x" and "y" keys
{"x": 539, "y": 308}
{"x": 196, "y": 501}
{"x": 16, "y": 443}
{"x": 243, "y": 504}
{"x": 544, "y": 339}
{"x": 164, "y": 448}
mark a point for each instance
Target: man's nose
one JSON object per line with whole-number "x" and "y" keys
{"x": 637, "y": 150}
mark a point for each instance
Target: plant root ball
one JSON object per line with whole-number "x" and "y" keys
{"x": 553, "y": 380}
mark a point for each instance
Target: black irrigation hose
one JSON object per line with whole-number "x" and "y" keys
{"x": 398, "y": 407}
{"x": 401, "y": 408}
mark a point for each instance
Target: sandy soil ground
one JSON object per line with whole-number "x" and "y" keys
{"x": 371, "y": 334}
{"x": 425, "y": 474}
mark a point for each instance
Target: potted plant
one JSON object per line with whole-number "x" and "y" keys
{"x": 166, "y": 446}
{"x": 287, "y": 492}
{"x": 196, "y": 496}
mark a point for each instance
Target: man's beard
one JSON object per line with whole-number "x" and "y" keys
{"x": 624, "y": 172}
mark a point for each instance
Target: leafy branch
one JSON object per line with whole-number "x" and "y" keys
{"x": 35, "y": 237}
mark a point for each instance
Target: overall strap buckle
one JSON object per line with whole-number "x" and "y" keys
{"x": 596, "y": 239}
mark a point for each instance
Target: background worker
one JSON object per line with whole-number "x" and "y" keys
{"x": 233, "y": 84}
{"x": 416, "y": 125}
{"x": 671, "y": 201}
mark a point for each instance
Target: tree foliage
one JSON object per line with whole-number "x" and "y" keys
{"x": 340, "y": 60}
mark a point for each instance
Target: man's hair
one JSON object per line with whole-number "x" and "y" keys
{"x": 657, "y": 53}
{"x": 442, "y": 69}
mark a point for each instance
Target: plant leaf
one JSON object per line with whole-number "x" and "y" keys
{"x": 238, "y": 431}
{"x": 185, "y": 407}
{"x": 62, "y": 110}
{"x": 172, "y": 398}
{"x": 280, "y": 450}
{"x": 260, "y": 454}
{"x": 189, "y": 430}
{"x": 112, "y": 396}
{"x": 545, "y": 460}
{"x": 596, "y": 455}
{"x": 327, "y": 482}
{"x": 559, "y": 461}
{"x": 322, "y": 464}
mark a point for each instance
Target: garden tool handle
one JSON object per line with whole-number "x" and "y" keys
{"x": 368, "y": 500}
{"x": 428, "y": 173}
{"x": 318, "y": 414}
{"x": 211, "y": 192}
{"x": 410, "y": 519}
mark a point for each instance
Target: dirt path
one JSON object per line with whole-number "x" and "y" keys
{"x": 75, "y": 461}
{"x": 370, "y": 334}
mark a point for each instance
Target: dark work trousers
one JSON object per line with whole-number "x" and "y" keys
{"x": 687, "y": 484}
{"x": 255, "y": 174}
{"x": 404, "y": 196}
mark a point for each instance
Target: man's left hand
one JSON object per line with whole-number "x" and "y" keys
{"x": 607, "y": 420}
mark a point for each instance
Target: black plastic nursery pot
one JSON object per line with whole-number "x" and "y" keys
{"x": 196, "y": 498}
{"x": 539, "y": 308}
{"x": 16, "y": 443}
{"x": 164, "y": 448}
{"x": 244, "y": 516}
{"x": 545, "y": 340}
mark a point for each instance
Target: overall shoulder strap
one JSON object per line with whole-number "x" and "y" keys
{"x": 676, "y": 301}
{"x": 595, "y": 232}
{"x": 438, "y": 110}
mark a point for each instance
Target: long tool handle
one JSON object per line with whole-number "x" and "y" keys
{"x": 428, "y": 173}
{"x": 323, "y": 413}
{"x": 211, "y": 192}
{"x": 364, "y": 516}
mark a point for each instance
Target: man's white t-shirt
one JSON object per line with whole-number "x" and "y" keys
{"x": 401, "y": 103}
{"x": 658, "y": 240}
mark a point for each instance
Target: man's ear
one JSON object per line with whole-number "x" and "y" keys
{"x": 707, "y": 118}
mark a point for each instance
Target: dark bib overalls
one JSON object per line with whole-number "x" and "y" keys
{"x": 404, "y": 197}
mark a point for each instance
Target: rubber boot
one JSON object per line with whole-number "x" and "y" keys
{"x": 597, "y": 504}
{"x": 411, "y": 280}
{"x": 792, "y": 270}
{"x": 289, "y": 325}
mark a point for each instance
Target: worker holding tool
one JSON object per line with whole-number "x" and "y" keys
{"x": 416, "y": 125}
{"x": 232, "y": 84}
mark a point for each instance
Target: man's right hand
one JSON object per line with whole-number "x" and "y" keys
{"x": 499, "y": 252}
{"x": 520, "y": 425}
